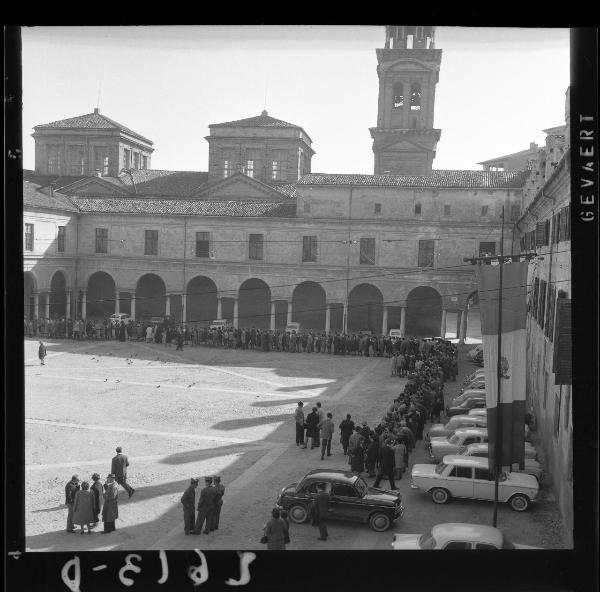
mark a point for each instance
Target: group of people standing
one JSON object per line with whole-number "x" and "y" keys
{"x": 209, "y": 507}
{"x": 318, "y": 426}
{"x": 86, "y": 502}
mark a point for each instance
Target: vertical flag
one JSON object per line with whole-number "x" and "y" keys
{"x": 512, "y": 357}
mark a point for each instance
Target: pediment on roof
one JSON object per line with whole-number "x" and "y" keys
{"x": 238, "y": 187}
{"x": 94, "y": 186}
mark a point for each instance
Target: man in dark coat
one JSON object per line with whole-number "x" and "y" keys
{"x": 98, "y": 491}
{"x": 388, "y": 462}
{"x": 119, "y": 470}
{"x": 179, "y": 339}
{"x": 346, "y": 430}
{"x": 110, "y": 509}
{"x": 218, "y": 505}
{"x": 71, "y": 488}
{"x": 312, "y": 430}
{"x": 42, "y": 353}
{"x": 188, "y": 501}
{"x": 206, "y": 507}
{"x": 321, "y": 511}
{"x": 372, "y": 455}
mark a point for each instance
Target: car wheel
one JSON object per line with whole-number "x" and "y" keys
{"x": 519, "y": 502}
{"x": 298, "y": 513}
{"x": 379, "y": 522}
{"x": 439, "y": 495}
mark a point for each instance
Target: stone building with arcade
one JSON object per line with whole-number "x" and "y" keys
{"x": 259, "y": 238}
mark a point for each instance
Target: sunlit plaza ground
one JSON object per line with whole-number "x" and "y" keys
{"x": 208, "y": 411}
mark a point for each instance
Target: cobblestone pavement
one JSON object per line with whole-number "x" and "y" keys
{"x": 210, "y": 411}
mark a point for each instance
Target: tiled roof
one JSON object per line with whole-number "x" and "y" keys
{"x": 262, "y": 120}
{"x": 288, "y": 190}
{"x": 437, "y": 178}
{"x": 91, "y": 121}
{"x": 187, "y": 207}
{"x": 164, "y": 183}
{"x": 59, "y": 181}
{"x": 35, "y": 196}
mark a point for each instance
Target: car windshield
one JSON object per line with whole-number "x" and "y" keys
{"x": 361, "y": 486}
{"x": 440, "y": 468}
{"x": 454, "y": 438}
{"x": 426, "y": 541}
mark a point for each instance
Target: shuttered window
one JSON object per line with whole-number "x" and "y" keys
{"x": 426, "y": 253}
{"x": 562, "y": 360}
{"x": 542, "y": 303}
{"x": 202, "y": 244}
{"x": 367, "y": 251}
{"x": 309, "y": 248}
{"x": 255, "y": 247}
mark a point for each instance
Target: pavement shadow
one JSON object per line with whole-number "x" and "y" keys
{"x": 54, "y": 509}
{"x": 236, "y": 424}
{"x": 181, "y": 458}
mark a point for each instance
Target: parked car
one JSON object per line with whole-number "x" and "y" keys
{"x": 453, "y": 442}
{"x": 119, "y": 317}
{"x": 466, "y": 406}
{"x": 438, "y": 430}
{"x": 351, "y": 499}
{"x": 466, "y": 394}
{"x": 478, "y": 359}
{"x": 473, "y": 376}
{"x": 469, "y": 477}
{"x": 532, "y": 466}
{"x": 293, "y": 327}
{"x": 478, "y": 412}
{"x": 221, "y": 324}
{"x": 478, "y": 383}
{"x": 473, "y": 352}
{"x": 457, "y": 536}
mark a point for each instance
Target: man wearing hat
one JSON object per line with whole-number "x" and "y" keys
{"x": 119, "y": 470}
{"x": 206, "y": 506}
{"x": 71, "y": 489}
{"x": 98, "y": 491}
{"x": 219, "y": 503}
{"x": 110, "y": 510}
{"x": 188, "y": 500}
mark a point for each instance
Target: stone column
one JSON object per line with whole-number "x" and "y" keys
{"x": 168, "y": 304}
{"x": 289, "y": 312}
{"x": 117, "y": 303}
{"x": 328, "y": 318}
{"x": 385, "y": 321}
{"x": 219, "y": 307}
{"x": 443, "y": 327}
{"x": 47, "y": 306}
{"x": 402, "y": 321}
{"x": 235, "y": 312}
{"x": 345, "y": 318}
{"x": 272, "y": 325}
{"x": 463, "y": 326}
{"x": 84, "y": 304}
{"x": 68, "y": 305}
{"x": 183, "y": 310}
{"x": 133, "y": 306}
{"x": 36, "y": 306}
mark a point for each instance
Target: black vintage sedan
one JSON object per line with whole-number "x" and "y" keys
{"x": 351, "y": 499}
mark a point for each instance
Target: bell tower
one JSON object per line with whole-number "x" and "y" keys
{"x": 404, "y": 140}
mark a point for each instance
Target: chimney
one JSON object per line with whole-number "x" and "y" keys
{"x": 96, "y": 111}
{"x": 532, "y": 145}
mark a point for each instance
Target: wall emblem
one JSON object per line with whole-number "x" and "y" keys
{"x": 504, "y": 368}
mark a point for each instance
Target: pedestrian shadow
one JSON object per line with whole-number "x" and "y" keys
{"x": 59, "y": 507}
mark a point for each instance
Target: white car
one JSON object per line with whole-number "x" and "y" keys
{"x": 438, "y": 430}
{"x": 453, "y": 442}
{"x": 456, "y": 536}
{"x": 119, "y": 317}
{"x": 473, "y": 376}
{"x": 395, "y": 333}
{"x": 469, "y": 477}
{"x": 477, "y": 412}
{"x": 532, "y": 466}
{"x": 477, "y": 383}
{"x": 221, "y": 324}
{"x": 467, "y": 394}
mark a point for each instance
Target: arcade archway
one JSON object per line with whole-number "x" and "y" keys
{"x": 150, "y": 297}
{"x": 308, "y": 304}
{"x": 254, "y": 304}
{"x": 201, "y": 301}
{"x": 29, "y": 287}
{"x": 365, "y": 309}
{"x": 100, "y": 295}
{"x": 423, "y": 312}
{"x": 58, "y": 295}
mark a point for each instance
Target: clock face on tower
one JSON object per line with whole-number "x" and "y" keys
{"x": 404, "y": 140}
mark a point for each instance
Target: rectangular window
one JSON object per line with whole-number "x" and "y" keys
{"x": 54, "y": 159}
{"x": 562, "y": 359}
{"x": 101, "y": 240}
{"x": 276, "y": 172}
{"x": 279, "y": 164}
{"x": 307, "y": 207}
{"x": 309, "y": 248}
{"x": 144, "y": 162}
{"x": 151, "y": 242}
{"x": 540, "y": 231}
{"x": 136, "y": 160}
{"x": 534, "y": 303}
{"x": 557, "y": 401}
{"x": 484, "y": 210}
{"x": 203, "y": 244}
{"x": 226, "y": 168}
{"x": 60, "y": 239}
{"x": 542, "y": 303}
{"x": 515, "y": 212}
{"x": 29, "y": 237}
{"x": 250, "y": 168}
{"x": 446, "y": 211}
{"x": 77, "y": 160}
{"x": 255, "y": 247}
{"x": 126, "y": 159}
{"x": 487, "y": 249}
{"x": 426, "y": 253}
{"x": 367, "y": 251}
{"x": 101, "y": 161}
{"x": 377, "y": 208}
{"x": 417, "y": 209}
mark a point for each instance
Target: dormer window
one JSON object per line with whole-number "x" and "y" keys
{"x": 398, "y": 95}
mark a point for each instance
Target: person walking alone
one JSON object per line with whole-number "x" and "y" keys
{"x": 188, "y": 501}
{"x": 326, "y": 427}
{"x": 119, "y": 470}
{"x": 42, "y": 353}
{"x": 299, "y": 419}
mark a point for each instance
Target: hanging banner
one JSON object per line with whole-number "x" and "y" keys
{"x": 512, "y": 357}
